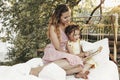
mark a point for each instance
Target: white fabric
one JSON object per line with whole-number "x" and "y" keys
{"x": 8, "y": 73}
{"x": 52, "y": 72}
{"x": 21, "y": 71}
{"x": 35, "y": 62}
{"x": 21, "y": 68}
{"x": 105, "y": 70}
{"x": 87, "y": 46}
{"x": 103, "y": 55}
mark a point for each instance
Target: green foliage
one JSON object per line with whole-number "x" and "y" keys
{"x": 25, "y": 25}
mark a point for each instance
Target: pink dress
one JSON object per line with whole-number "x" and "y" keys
{"x": 51, "y": 54}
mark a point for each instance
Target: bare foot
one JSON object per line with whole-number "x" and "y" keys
{"x": 81, "y": 75}
{"x": 35, "y": 71}
{"x": 92, "y": 66}
{"x": 99, "y": 49}
{"x": 87, "y": 72}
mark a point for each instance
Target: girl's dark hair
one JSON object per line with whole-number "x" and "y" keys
{"x": 71, "y": 28}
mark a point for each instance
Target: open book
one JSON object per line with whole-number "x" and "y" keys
{"x": 93, "y": 54}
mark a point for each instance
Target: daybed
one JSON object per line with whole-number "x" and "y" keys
{"x": 105, "y": 69}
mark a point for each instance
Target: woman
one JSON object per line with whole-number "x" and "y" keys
{"x": 56, "y": 51}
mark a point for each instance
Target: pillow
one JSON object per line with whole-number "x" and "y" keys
{"x": 21, "y": 68}
{"x": 101, "y": 57}
{"x": 35, "y": 62}
{"x": 52, "y": 72}
{"x": 88, "y": 46}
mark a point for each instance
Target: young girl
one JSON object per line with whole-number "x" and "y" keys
{"x": 74, "y": 46}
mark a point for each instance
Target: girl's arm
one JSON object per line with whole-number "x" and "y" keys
{"x": 82, "y": 53}
{"x": 54, "y": 39}
{"x": 69, "y": 48}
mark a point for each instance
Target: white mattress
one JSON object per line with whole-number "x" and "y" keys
{"x": 105, "y": 70}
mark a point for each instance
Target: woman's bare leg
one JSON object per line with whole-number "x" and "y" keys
{"x": 35, "y": 71}
{"x": 70, "y": 69}
{"x": 63, "y": 63}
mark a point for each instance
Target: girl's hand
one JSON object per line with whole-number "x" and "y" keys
{"x": 82, "y": 55}
{"x": 87, "y": 54}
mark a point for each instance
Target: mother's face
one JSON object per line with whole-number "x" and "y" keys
{"x": 65, "y": 17}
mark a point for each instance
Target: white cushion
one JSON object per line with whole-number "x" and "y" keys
{"x": 101, "y": 57}
{"x": 106, "y": 69}
{"x": 88, "y": 46}
{"x": 21, "y": 68}
{"x": 52, "y": 72}
{"x": 35, "y": 62}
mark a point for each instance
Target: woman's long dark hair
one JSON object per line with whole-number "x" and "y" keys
{"x": 55, "y": 18}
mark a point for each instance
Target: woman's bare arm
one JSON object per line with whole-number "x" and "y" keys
{"x": 54, "y": 39}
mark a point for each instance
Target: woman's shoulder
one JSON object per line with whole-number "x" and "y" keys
{"x": 52, "y": 26}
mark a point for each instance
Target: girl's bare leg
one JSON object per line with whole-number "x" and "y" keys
{"x": 74, "y": 70}
{"x": 85, "y": 71}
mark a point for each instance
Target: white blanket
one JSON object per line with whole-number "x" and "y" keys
{"x": 21, "y": 71}
{"x": 105, "y": 70}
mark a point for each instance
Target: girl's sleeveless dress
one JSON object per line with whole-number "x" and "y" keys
{"x": 76, "y": 50}
{"x": 51, "y": 54}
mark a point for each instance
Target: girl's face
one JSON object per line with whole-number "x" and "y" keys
{"x": 66, "y": 18}
{"x": 74, "y": 36}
